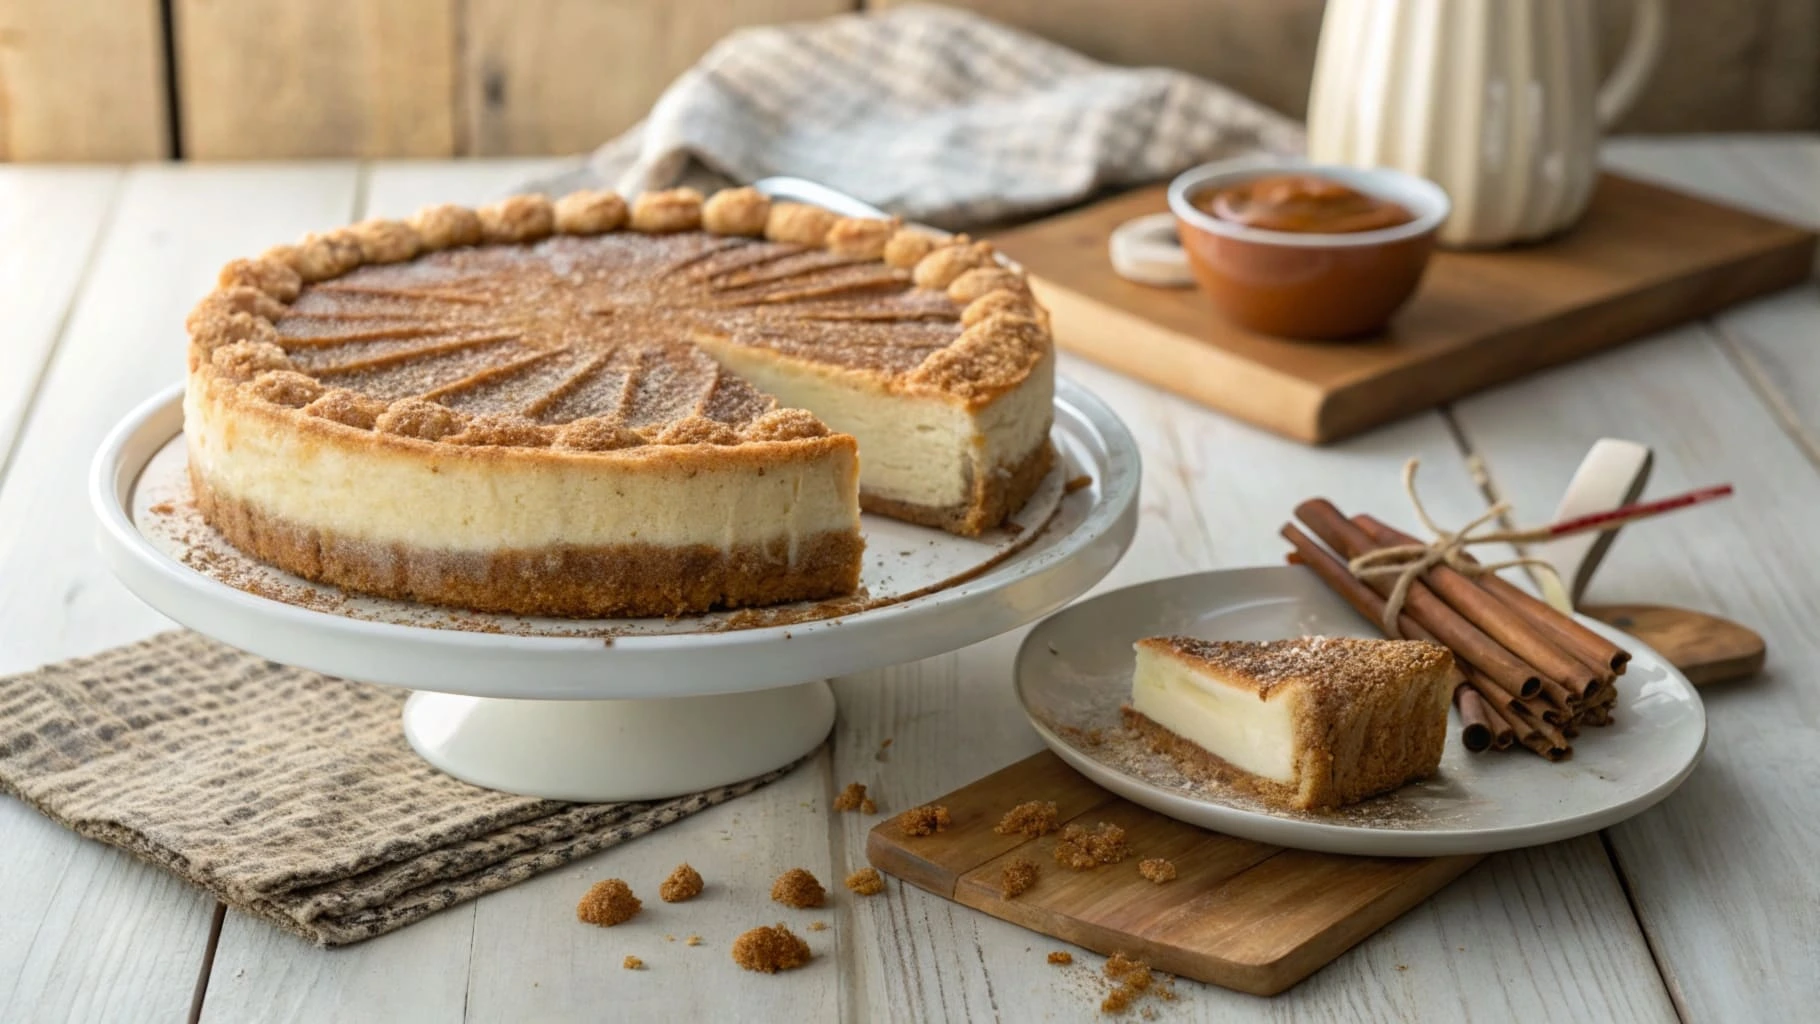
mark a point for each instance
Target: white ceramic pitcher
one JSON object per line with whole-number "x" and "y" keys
{"x": 1494, "y": 100}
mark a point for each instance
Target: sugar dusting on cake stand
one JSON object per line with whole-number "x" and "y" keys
{"x": 623, "y": 709}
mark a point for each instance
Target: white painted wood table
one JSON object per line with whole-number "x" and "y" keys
{"x": 1705, "y": 908}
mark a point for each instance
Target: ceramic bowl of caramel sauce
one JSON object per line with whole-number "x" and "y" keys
{"x": 1306, "y": 251}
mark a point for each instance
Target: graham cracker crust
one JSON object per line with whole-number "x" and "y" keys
{"x": 996, "y": 497}
{"x": 632, "y": 580}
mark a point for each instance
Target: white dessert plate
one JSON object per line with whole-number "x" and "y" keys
{"x": 1074, "y": 672}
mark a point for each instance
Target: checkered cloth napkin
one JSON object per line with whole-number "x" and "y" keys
{"x": 934, "y": 114}
{"x": 286, "y": 794}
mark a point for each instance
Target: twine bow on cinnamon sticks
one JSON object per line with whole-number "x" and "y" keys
{"x": 1529, "y": 672}
{"x": 1409, "y": 562}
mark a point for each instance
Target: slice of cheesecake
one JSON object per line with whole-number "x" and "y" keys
{"x": 1310, "y": 723}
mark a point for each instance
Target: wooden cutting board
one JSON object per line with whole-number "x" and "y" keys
{"x": 1642, "y": 259}
{"x": 1245, "y": 915}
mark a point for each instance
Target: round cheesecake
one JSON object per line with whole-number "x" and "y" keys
{"x": 580, "y": 408}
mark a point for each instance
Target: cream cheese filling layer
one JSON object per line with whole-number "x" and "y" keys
{"x": 455, "y": 501}
{"x": 920, "y": 450}
{"x": 1230, "y": 722}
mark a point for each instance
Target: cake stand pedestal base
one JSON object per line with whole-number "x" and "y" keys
{"x": 611, "y": 750}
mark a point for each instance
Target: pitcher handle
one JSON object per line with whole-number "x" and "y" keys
{"x": 1648, "y": 30}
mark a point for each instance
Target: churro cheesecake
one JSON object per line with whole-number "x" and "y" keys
{"x": 1309, "y": 723}
{"x": 582, "y": 407}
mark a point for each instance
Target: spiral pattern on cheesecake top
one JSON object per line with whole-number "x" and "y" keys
{"x": 572, "y": 323}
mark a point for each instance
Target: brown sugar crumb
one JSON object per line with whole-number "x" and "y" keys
{"x": 1157, "y": 870}
{"x": 866, "y": 882}
{"x": 798, "y": 888}
{"x": 632, "y": 963}
{"x": 1081, "y": 849}
{"x": 1017, "y": 876}
{"x": 926, "y": 820}
{"x": 683, "y": 884}
{"x": 1035, "y": 818}
{"x": 818, "y": 926}
{"x": 693, "y": 940}
{"x": 1061, "y": 957}
{"x": 770, "y": 949}
{"x": 1075, "y": 483}
{"x": 868, "y": 806}
{"x": 852, "y": 798}
{"x": 1133, "y": 978}
{"x": 163, "y": 508}
{"x": 608, "y": 903}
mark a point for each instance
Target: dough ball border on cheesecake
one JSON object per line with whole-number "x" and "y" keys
{"x": 239, "y": 369}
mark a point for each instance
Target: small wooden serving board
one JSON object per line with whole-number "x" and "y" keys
{"x": 1642, "y": 259}
{"x": 1248, "y": 916}
{"x": 1244, "y": 915}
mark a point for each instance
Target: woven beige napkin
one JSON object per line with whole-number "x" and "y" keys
{"x": 287, "y": 794}
{"x": 935, "y": 114}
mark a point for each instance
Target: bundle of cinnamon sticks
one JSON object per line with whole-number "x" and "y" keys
{"x": 1529, "y": 674}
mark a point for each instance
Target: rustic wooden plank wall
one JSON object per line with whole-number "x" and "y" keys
{"x": 82, "y": 80}
{"x": 278, "y": 78}
{"x": 88, "y": 79}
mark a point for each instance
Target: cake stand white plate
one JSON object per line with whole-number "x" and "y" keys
{"x": 1074, "y": 672}
{"x": 630, "y": 708}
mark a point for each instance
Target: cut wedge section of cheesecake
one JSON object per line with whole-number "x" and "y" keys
{"x": 1308, "y": 723}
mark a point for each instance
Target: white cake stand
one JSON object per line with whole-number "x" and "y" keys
{"x": 622, "y": 709}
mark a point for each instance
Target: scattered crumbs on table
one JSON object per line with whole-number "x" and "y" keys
{"x": 1030, "y": 819}
{"x": 866, "y": 882}
{"x": 607, "y": 903}
{"x": 1016, "y": 877}
{"x": 1061, "y": 957}
{"x": 818, "y": 926}
{"x": 693, "y": 940}
{"x": 685, "y": 883}
{"x": 1081, "y": 849}
{"x": 770, "y": 948}
{"x": 1133, "y": 980}
{"x": 926, "y": 820}
{"x": 798, "y": 888}
{"x": 850, "y": 798}
{"x": 1157, "y": 870}
{"x": 632, "y": 963}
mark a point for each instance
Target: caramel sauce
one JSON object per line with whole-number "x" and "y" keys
{"x": 1301, "y": 203}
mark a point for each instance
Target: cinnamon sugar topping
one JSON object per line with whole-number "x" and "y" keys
{"x": 1317, "y": 661}
{"x": 601, "y": 325}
